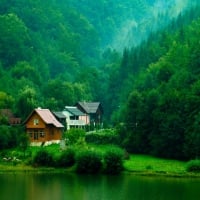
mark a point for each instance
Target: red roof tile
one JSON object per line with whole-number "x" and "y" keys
{"x": 48, "y": 117}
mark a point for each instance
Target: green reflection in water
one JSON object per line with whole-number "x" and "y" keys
{"x": 98, "y": 187}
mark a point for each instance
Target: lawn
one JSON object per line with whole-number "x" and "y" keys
{"x": 149, "y": 163}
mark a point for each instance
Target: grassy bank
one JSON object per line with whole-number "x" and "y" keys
{"x": 137, "y": 164}
{"x": 149, "y": 165}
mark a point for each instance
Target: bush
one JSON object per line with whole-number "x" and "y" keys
{"x": 8, "y": 136}
{"x": 43, "y": 158}
{"x": 102, "y": 137}
{"x": 193, "y": 166}
{"x": 75, "y": 136}
{"x": 113, "y": 160}
{"x": 88, "y": 161}
{"x": 67, "y": 158}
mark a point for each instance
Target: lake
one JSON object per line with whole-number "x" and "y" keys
{"x": 96, "y": 187}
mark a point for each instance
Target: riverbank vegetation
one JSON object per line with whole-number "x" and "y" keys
{"x": 92, "y": 158}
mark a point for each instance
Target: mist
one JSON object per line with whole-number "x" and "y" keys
{"x": 134, "y": 30}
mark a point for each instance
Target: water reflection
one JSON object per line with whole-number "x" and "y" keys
{"x": 90, "y": 187}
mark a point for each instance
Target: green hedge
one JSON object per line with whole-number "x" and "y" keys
{"x": 102, "y": 137}
{"x": 88, "y": 161}
{"x": 74, "y": 136}
{"x": 193, "y": 166}
{"x": 66, "y": 159}
{"x": 113, "y": 161}
{"x": 43, "y": 158}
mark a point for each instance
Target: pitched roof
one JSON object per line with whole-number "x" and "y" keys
{"x": 47, "y": 117}
{"x": 74, "y": 110}
{"x": 90, "y": 107}
{"x": 59, "y": 115}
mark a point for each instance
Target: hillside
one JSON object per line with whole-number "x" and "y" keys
{"x": 51, "y": 50}
{"x": 160, "y": 79}
{"x": 121, "y": 24}
{"x": 57, "y": 49}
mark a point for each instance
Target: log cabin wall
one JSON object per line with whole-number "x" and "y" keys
{"x": 39, "y": 131}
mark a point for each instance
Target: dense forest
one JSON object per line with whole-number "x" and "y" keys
{"x": 140, "y": 58}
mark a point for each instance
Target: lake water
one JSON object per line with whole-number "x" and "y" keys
{"x": 96, "y": 187}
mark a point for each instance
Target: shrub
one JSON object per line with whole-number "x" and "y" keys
{"x": 67, "y": 158}
{"x": 102, "y": 137}
{"x": 113, "y": 160}
{"x": 43, "y": 158}
{"x": 88, "y": 161}
{"x": 74, "y": 136}
{"x": 193, "y": 166}
{"x": 9, "y": 136}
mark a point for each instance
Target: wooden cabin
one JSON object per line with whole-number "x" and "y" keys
{"x": 43, "y": 128}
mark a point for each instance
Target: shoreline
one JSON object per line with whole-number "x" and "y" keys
{"x": 50, "y": 170}
{"x": 163, "y": 174}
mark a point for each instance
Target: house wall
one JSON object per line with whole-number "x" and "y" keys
{"x": 78, "y": 123}
{"x": 38, "y": 131}
{"x": 53, "y": 133}
{"x": 32, "y": 122}
{"x": 85, "y": 118}
{"x": 99, "y": 116}
{"x": 93, "y": 117}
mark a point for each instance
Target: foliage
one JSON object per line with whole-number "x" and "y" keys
{"x": 43, "y": 158}
{"x": 27, "y": 101}
{"x": 5, "y": 100}
{"x": 13, "y": 47}
{"x": 24, "y": 142}
{"x": 102, "y": 137}
{"x": 67, "y": 158}
{"x": 74, "y": 136}
{"x": 162, "y": 109}
{"x": 8, "y": 136}
{"x": 113, "y": 161}
{"x": 88, "y": 161}
{"x": 193, "y": 166}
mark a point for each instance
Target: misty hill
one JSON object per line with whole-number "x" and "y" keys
{"x": 126, "y": 23}
{"x": 50, "y": 53}
{"x": 157, "y": 101}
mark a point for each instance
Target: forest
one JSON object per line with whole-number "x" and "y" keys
{"x": 139, "y": 58}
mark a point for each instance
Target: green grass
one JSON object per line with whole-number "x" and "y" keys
{"x": 54, "y": 149}
{"x": 153, "y": 164}
{"x": 144, "y": 164}
{"x": 102, "y": 147}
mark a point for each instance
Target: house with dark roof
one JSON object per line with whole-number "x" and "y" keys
{"x": 8, "y": 117}
{"x": 43, "y": 128}
{"x": 74, "y": 117}
{"x": 94, "y": 111}
{"x": 60, "y": 117}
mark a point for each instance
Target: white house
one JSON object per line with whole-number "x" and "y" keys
{"x": 74, "y": 117}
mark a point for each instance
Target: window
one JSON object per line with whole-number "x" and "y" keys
{"x": 42, "y": 133}
{"x": 30, "y": 133}
{"x": 35, "y": 135}
{"x": 36, "y": 121}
